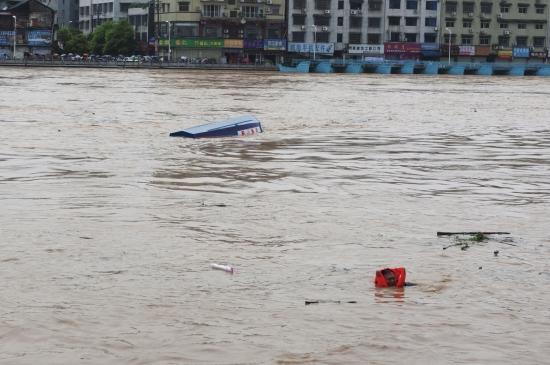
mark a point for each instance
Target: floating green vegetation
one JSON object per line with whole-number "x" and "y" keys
{"x": 464, "y": 243}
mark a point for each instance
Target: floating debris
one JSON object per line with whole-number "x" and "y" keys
{"x": 225, "y": 268}
{"x": 308, "y": 302}
{"x": 468, "y": 233}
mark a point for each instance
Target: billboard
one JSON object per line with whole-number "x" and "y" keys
{"x": 275, "y": 44}
{"x": 366, "y": 49}
{"x": 321, "y": 48}
{"x": 39, "y": 37}
{"x": 521, "y": 52}
{"x": 6, "y": 37}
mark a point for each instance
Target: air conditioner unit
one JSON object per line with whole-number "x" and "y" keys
{"x": 267, "y": 10}
{"x": 269, "y": 2}
{"x": 327, "y": 11}
{"x": 507, "y": 32}
{"x": 470, "y": 30}
{"x": 303, "y": 27}
{"x": 260, "y": 1}
{"x": 470, "y": 14}
{"x": 304, "y": 10}
{"x": 436, "y": 29}
{"x": 226, "y": 30}
{"x": 453, "y": 13}
{"x": 324, "y": 29}
{"x": 499, "y": 15}
{"x": 354, "y": 12}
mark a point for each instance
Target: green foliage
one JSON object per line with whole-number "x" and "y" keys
{"x": 113, "y": 38}
{"x": 71, "y": 40}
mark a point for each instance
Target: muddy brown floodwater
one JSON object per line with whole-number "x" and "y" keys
{"x": 108, "y": 226}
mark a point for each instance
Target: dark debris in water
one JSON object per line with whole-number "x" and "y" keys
{"x": 465, "y": 240}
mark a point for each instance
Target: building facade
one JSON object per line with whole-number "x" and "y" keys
{"x": 30, "y": 23}
{"x": 92, "y": 13}
{"x": 227, "y": 31}
{"x": 508, "y": 29}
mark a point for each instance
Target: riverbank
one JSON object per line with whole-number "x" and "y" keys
{"x": 136, "y": 65}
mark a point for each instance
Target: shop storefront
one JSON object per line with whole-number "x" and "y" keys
{"x": 366, "y": 52}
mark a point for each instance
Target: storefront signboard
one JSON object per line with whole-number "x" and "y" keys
{"x": 6, "y": 37}
{"x": 39, "y": 38}
{"x": 232, "y": 43}
{"x": 320, "y": 48}
{"x": 466, "y": 50}
{"x": 275, "y": 44}
{"x": 373, "y": 49}
{"x": 254, "y": 43}
{"x": 193, "y": 42}
{"x": 398, "y": 48}
{"x": 520, "y": 52}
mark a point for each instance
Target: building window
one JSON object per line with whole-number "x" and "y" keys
{"x": 340, "y": 5}
{"x": 355, "y": 22}
{"x": 539, "y": 9}
{"x": 521, "y": 41}
{"x": 355, "y": 4}
{"x": 522, "y": 8}
{"x": 321, "y": 20}
{"x": 446, "y": 38}
{"x": 340, "y": 21}
{"x": 249, "y": 11}
{"x": 374, "y": 22}
{"x": 298, "y": 19}
{"x": 300, "y": 4}
{"x": 298, "y": 36}
{"x": 430, "y": 37}
{"x": 183, "y": 6}
{"x": 504, "y": 9}
{"x": 275, "y": 9}
{"x": 467, "y": 39}
{"x": 431, "y": 5}
{"x": 395, "y": 36}
{"x": 394, "y": 20}
{"x": 339, "y": 37}
{"x": 504, "y": 41}
{"x": 110, "y": 7}
{"x": 449, "y": 23}
{"x": 375, "y": 5}
{"x": 373, "y": 38}
{"x": 484, "y": 40}
{"x": 354, "y": 38}
{"x": 211, "y": 10}
{"x": 411, "y": 21}
{"x": 466, "y": 24}
{"x": 539, "y": 41}
{"x": 539, "y": 26}
{"x": 503, "y": 25}
{"x": 395, "y": 4}
{"x": 486, "y": 8}
{"x": 522, "y": 26}
{"x": 322, "y": 4}
{"x": 430, "y": 22}
{"x": 410, "y": 37}
{"x": 484, "y": 24}
{"x": 450, "y": 8}
{"x": 467, "y": 8}
{"x": 412, "y": 4}
{"x": 323, "y": 36}
{"x": 273, "y": 33}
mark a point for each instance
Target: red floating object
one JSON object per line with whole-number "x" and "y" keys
{"x": 386, "y": 278}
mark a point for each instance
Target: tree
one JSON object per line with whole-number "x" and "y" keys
{"x": 98, "y": 37}
{"x": 120, "y": 39}
{"x": 71, "y": 40}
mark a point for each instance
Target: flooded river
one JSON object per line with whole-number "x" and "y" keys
{"x": 108, "y": 226}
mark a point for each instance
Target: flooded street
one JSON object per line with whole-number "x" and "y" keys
{"x": 108, "y": 226}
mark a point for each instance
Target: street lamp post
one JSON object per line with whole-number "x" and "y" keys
{"x": 14, "y": 33}
{"x": 169, "y": 42}
{"x": 314, "y": 40}
{"x": 450, "y": 41}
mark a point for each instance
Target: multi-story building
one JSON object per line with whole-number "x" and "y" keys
{"x": 358, "y": 26}
{"x": 30, "y": 22}
{"x": 232, "y": 31}
{"x": 95, "y": 12}
{"x": 66, "y": 11}
{"x": 483, "y": 27}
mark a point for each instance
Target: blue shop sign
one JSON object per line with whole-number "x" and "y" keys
{"x": 520, "y": 52}
{"x": 321, "y": 48}
{"x": 6, "y": 37}
{"x": 275, "y": 44}
{"x": 39, "y": 37}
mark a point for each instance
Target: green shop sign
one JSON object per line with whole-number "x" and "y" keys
{"x": 192, "y": 43}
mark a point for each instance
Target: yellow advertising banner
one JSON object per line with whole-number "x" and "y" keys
{"x": 233, "y": 43}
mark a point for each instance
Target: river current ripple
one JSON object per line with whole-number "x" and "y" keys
{"x": 108, "y": 226}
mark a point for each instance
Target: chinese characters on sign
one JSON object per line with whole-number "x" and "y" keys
{"x": 321, "y": 48}
{"x": 366, "y": 48}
